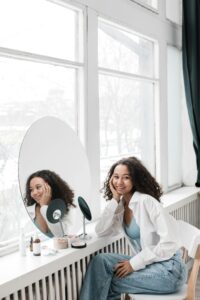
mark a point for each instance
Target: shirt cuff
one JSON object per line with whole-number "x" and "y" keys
{"x": 137, "y": 262}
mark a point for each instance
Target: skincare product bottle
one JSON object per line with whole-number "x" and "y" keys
{"x": 36, "y": 245}
{"x": 31, "y": 244}
{"x": 22, "y": 243}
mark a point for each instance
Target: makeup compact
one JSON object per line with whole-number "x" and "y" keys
{"x": 78, "y": 244}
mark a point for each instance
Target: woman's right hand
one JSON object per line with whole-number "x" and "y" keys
{"x": 116, "y": 195}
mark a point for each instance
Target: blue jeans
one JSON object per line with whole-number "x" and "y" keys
{"x": 100, "y": 282}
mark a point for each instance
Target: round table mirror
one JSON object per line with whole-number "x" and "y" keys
{"x": 84, "y": 207}
{"x": 51, "y": 148}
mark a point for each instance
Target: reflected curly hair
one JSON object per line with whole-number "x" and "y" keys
{"x": 60, "y": 188}
{"x": 142, "y": 180}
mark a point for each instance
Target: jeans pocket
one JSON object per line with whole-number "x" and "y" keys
{"x": 169, "y": 265}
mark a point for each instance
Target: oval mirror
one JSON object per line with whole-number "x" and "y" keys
{"x": 51, "y": 148}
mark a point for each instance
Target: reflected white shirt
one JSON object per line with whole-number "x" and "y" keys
{"x": 69, "y": 221}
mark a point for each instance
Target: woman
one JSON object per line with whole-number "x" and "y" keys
{"x": 42, "y": 187}
{"x": 134, "y": 207}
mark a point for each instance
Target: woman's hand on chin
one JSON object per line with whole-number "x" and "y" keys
{"x": 47, "y": 194}
{"x": 115, "y": 194}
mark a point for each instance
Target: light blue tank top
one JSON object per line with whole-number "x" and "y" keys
{"x": 133, "y": 232}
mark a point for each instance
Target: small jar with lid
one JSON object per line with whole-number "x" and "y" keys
{"x": 60, "y": 242}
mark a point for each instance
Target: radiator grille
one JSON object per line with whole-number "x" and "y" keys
{"x": 189, "y": 213}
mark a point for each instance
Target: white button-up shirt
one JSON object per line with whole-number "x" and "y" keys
{"x": 159, "y": 237}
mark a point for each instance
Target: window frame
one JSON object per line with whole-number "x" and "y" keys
{"x": 147, "y": 6}
{"x": 158, "y": 28}
{"x": 11, "y": 245}
{"x": 131, "y": 15}
{"x": 154, "y": 80}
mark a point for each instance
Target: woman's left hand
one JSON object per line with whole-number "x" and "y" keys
{"x": 123, "y": 268}
{"x": 46, "y": 196}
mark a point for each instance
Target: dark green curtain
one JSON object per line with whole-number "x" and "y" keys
{"x": 191, "y": 70}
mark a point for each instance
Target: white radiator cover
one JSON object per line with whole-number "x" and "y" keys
{"x": 61, "y": 279}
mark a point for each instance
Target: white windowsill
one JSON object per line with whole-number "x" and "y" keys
{"x": 14, "y": 267}
{"x": 180, "y": 197}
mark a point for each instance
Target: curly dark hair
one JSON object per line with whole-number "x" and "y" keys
{"x": 142, "y": 180}
{"x": 60, "y": 188}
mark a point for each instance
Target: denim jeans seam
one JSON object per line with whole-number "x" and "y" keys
{"x": 147, "y": 276}
{"x": 102, "y": 288}
{"x": 108, "y": 269}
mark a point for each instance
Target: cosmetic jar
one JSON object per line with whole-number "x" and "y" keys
{"x": 60, "y": 242}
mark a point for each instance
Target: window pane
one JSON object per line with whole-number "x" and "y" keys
{"x": 126, "y": 120}
{"x": 124, "y": 51}
{"x": 28, "y": 91}
{"x": 40, "y": 27}
{"x": 174, "y": 116}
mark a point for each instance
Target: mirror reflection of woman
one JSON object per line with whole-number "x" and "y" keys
{"x": 42, "y": 187}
